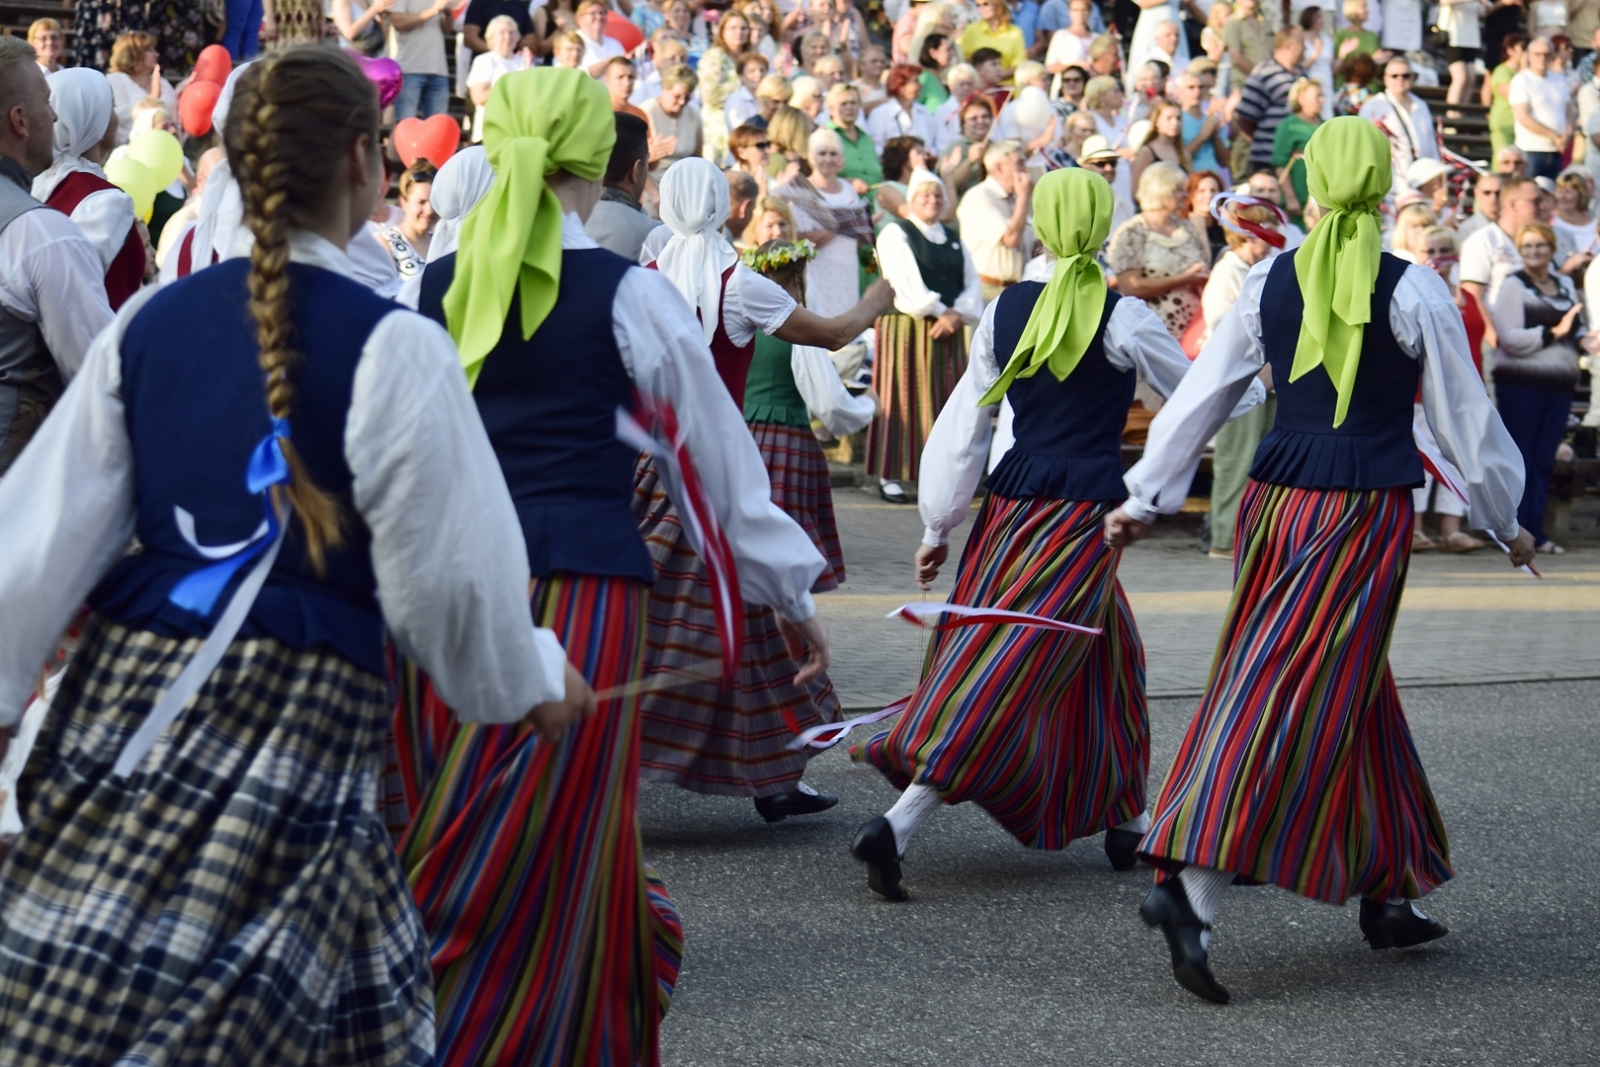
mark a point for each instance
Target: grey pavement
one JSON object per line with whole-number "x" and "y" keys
{"x": 1005, "y": 956}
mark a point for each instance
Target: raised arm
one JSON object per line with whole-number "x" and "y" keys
{"x": 808, "y": 328}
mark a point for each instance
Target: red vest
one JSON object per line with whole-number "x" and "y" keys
{"x": 126, "y": 273}
{"x": 733, "y": 361}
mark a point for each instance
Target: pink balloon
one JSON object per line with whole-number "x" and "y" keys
{"x": 383, "y": 72}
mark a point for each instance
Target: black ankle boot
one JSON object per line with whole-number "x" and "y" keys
{"x": 1168, "y": 907}
{"x": 1397, "y": 925}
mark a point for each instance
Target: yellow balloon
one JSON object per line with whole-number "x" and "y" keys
{"x": 160, "y": 151}
{"x": 135, "y": 179}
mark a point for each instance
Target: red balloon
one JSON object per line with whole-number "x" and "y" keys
{"x": 624, "y": 32}
{"x": 435, "y": 139}
{"x": 195, "y": 105}
{"x": 214, "y": 64}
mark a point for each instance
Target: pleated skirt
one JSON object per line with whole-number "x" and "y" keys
{"x": 701, "y": 735}
{"x": 236, "y": 899}
{"x": 552, "y": 943}
{"x": 1299, "y": 769}
{"x": 1048, "y": 732}
{"x": 803, "y": 487}
{"x": 913, "y": 378}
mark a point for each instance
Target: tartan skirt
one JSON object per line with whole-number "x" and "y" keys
{"x": 1049, "y": 732}
{"x": 236, "y": 899}
{"x": 1299, "y": 769}
{"x": 803, "y": 487}
{"x": 700, "y": 735}
{"x": 552, "y": 942}
{"x": 913, "y": 378}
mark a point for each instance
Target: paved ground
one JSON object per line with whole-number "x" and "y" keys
{"x": 1009, "y": 957}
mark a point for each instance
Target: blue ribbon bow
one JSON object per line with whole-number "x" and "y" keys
{"x": 198, "y": 592}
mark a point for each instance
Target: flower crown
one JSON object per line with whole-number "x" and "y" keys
{"x": 777, "y": 258}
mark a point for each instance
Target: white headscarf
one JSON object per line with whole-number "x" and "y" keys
{"x": 81, "y": 97}
{"x": 920, "y": 177}
{"x": 221, "y": 207}
{"x": 457, "y": 188}
{"x": 694, "y": 204}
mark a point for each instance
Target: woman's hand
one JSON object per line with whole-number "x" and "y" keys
{"x": 1197, "y": 274}
{"x": 928, "y": 560}
{"x": 1564, "y": 327}
{"x": 1123, "y": 529}
{"x": 551, "y": 719}
{"x": 945, "y": 325}
{"x": 976, "y": 150}
{"x": 861, "y": 187}
{"x": 801, "y": 637}
{"x": 1349, "y": 45}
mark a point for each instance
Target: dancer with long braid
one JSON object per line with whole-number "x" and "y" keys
{"x": 1299, "y": 769}
{"x": 203, "y": 877}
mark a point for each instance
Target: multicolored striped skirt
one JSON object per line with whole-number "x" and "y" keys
{"x": 913, "y": 378}
{"x": 552, "y": 943}
{"x": 1299, "y": 769}
{"x": 236, "y": 897}
{"x": 700, "y": 735}
{"x": 1048, "y": 731}
{"x": 803, "y": 487}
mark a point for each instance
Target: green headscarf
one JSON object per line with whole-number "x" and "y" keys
{"x": 535, "y": 123}
{"x": 1072, "y": 216}
{"x": 1348, "y": 174}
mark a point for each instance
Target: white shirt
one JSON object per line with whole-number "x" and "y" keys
{"x": 1508, "y": 312}
{"x": 488, "y": 68}
{"x": 946, "y": 125}
{"x": 599, "y": 51}
{"x": 50, "y": 274}
{"x": 984, "y": 213}
{"x": 1410, "y": 129}
{"x": 1489, "y": 255}
{"x": 741, "y": 107}
{"x": 911, "y": 294}
{"x": 664, "y": 351}
{"x": 1426, "y": 324}
{"x": 891, "y": 120}
{"x": 1546, "y": 98}
{"x": 447, "y": 551}
{"x": 958, "y": 446}
{"x": 125, "y": 92}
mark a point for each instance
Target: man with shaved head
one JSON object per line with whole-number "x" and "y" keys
{"x": 52, "y": 289}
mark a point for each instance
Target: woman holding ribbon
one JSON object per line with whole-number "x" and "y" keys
{"x": 713, "y": 730}
{"x": 1042, "y": 726}
{"x": 1299, "y": 769}
{"x": 203, "y": 869}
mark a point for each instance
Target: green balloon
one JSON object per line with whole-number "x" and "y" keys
{"x": 159, "y": 151}
{"x": 135, "y": 179}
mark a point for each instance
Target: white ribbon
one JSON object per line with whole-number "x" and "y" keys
{"x": 828, "y": 734}
{"x": 919, "y": 610}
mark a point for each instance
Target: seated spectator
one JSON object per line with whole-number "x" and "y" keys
{"x": 830, "y": 214}
{"x": 770, "y": 221}
{"x": 1157, "y": 255}
{"x": 1410, "y": 224}
{"x": 667, "y": 50}
{"x": 620, "y": 77}
{"x": 938, "y": 53}
{"x": 1354, "y": 38}
{"x": 994, "y": 31}
{"x": 901, "y": 116}
{"x": 772, "y": 93}
{"x": 488, "y": 67}
{"x": 566, "y": 50}
{"x": 48, "y": 43}
{"x": 962, "y": 164}
{"x": 1289, "y": 144}
{"x": 902, "y": 157}
{"x": 962, "y": 81}
{"x": 743, "y": 105}
{"x": 870, "y": 69}
{"x": 480, "y": 16}
{"x": 751, "y": 149}
{"x": 1028, "y": 117}
{"x": 407, "y": 240}
{"x": 807, "y": 97}
{"x": 135, "y": 74}
{"x": 1511, "y": 163}
{"x": 861, "y": 168}
{"x": 672, "y": 116}
{"x": 1198, "y": 191}
{"x": 1356, "y": 75}
{"x": 790, "y": 134}
{"x": 1069, "y": 46}
{"x": 992, "y": 77}
{"x": 598, "y": 49}
{"x": 1163, "y": 143}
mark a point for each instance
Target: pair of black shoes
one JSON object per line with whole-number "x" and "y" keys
{"x": 800, "y": 801}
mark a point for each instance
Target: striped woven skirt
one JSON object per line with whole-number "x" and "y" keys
{"x": 803, "y": 487}
{"x": 913, "y": 378}
{"x": 234, "y": 900}
{"x": 1047, "y": 731}
{"x": 700, "y": 735}
{"x": 1299, "y": 769}
{"x": 552, "y": 943}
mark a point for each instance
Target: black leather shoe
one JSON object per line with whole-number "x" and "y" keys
{"x": 780, "y": 806}
{"x": 893, "y": 493}
{"x": 1122, "y": 848}
{"x": 1168, "y": 907}
{"x": 875, "y": 846}
{"x": 1397, "y": 925}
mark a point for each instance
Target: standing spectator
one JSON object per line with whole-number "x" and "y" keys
{"x": 937, "y": 54}
{"x": 871, "y": 68}
{"x": 751, "y": 151}
{"x": 1354, "y": 37}
{"x": 1538, "y": 319}
{"x": 1573, "y": 219}
{"x": 743, "y": 193}
{"x": 618, "y": 223}
{"x": 1404, "y": 118}
{"x": 1069, "y": 45}
{"x": 135, "y": 74}
{"x": 1264, "y": 102}
{"x": 1357, "y": 74}
{"x": 1402, "y": 25}
{"x": 488, "y": 67}
{"x": 416, "y": 42}
{"x": 674, "y": 119}
{"x": 962, "y": 82}
{"x": 744, "y": 105}
{"x": 1458, "y": 19}
{"x": 598, "y": 49}
{"x": 1163, "y": 143}
{"x": 1583, "y": 25}
{"x": 829, "y": 71}
{"x": 480, "y": 16}
{"x": 1485, "y": 206}
{"x": 1509, "y": 162}
{"x": 902, "y": 116}
{"x": 1158, "y": 256}
{"x": 994, "y": 219}
{"x": 1289, "y": 145}
{"x": 47, "y": 41}
{"x": 620, "y": 77}
{"x": 903, "y": 157}
{"x": 962, "y": 164}
{"x": 772, "y": 93}
{"x": 861, "y": 167}
{"x": 649, "y": 16}
{"x": 1539, "y": 105}
{"x": 828, "y": 213}
{"x": 1247, "y": 40}
{"x": 1547, "y": 19}
{"x": 807, "y": 96}
{"x": 1497, "y": 92}
{"x": 719, "y": 79}
{"x": 1198, "y": 191}
{"x": 1318, "y": 59}
{"x": 1157, "y": 36}
{"x": 994, "y": 29}
{"x": 1202, "y": 128}
{"x": 1491, "y": 253}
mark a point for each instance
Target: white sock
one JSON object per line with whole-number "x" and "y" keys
{"x": 1418, "y": 912}
{"x": 1204, "y": 886}
{"x": 802, "y": 787}
{"x": 914, "y": 805}
{"x": 1139, "y": 824}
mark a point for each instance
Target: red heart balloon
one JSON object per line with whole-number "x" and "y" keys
{"x": 624, "y": 31}
{"x": 195, "y": 105}
{"x": 435, "y": 139}
{"x": 214, "y": 64}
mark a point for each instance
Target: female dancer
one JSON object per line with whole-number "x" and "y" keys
{"x": 1299, "y": 769}
{"x": 552, "y": 943}
{"x": 213, "y": 884}
{"x": 704, "y": 736}
{"x": 1046, "y": 730}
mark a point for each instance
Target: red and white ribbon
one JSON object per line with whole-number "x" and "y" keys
{"x": 919, "y": 610}
{"x": 666, "y": 443}
{"x": 1244, "y": 227}
{"x": 829, "y": 734}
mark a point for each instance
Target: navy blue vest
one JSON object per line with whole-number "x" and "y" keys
{"x": 1374, "y": 448}
{"x": 195, "y": 407}
{"x": 550, "y": 406}
{"x": 1069, "y": 434}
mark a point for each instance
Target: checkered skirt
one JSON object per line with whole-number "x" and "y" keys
{"x": 236, "y": 899}
{"x": 803, "y": 488}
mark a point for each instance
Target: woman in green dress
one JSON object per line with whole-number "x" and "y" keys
{"x": 1289, "y": 145}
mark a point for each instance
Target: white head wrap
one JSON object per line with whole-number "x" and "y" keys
{"x": 694, "y": 205}
{"x": 920, "y": 177}
{"x": 221, "y": 207}
{"x": 81, "y": 97}
{"x": 457, "y": 188}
